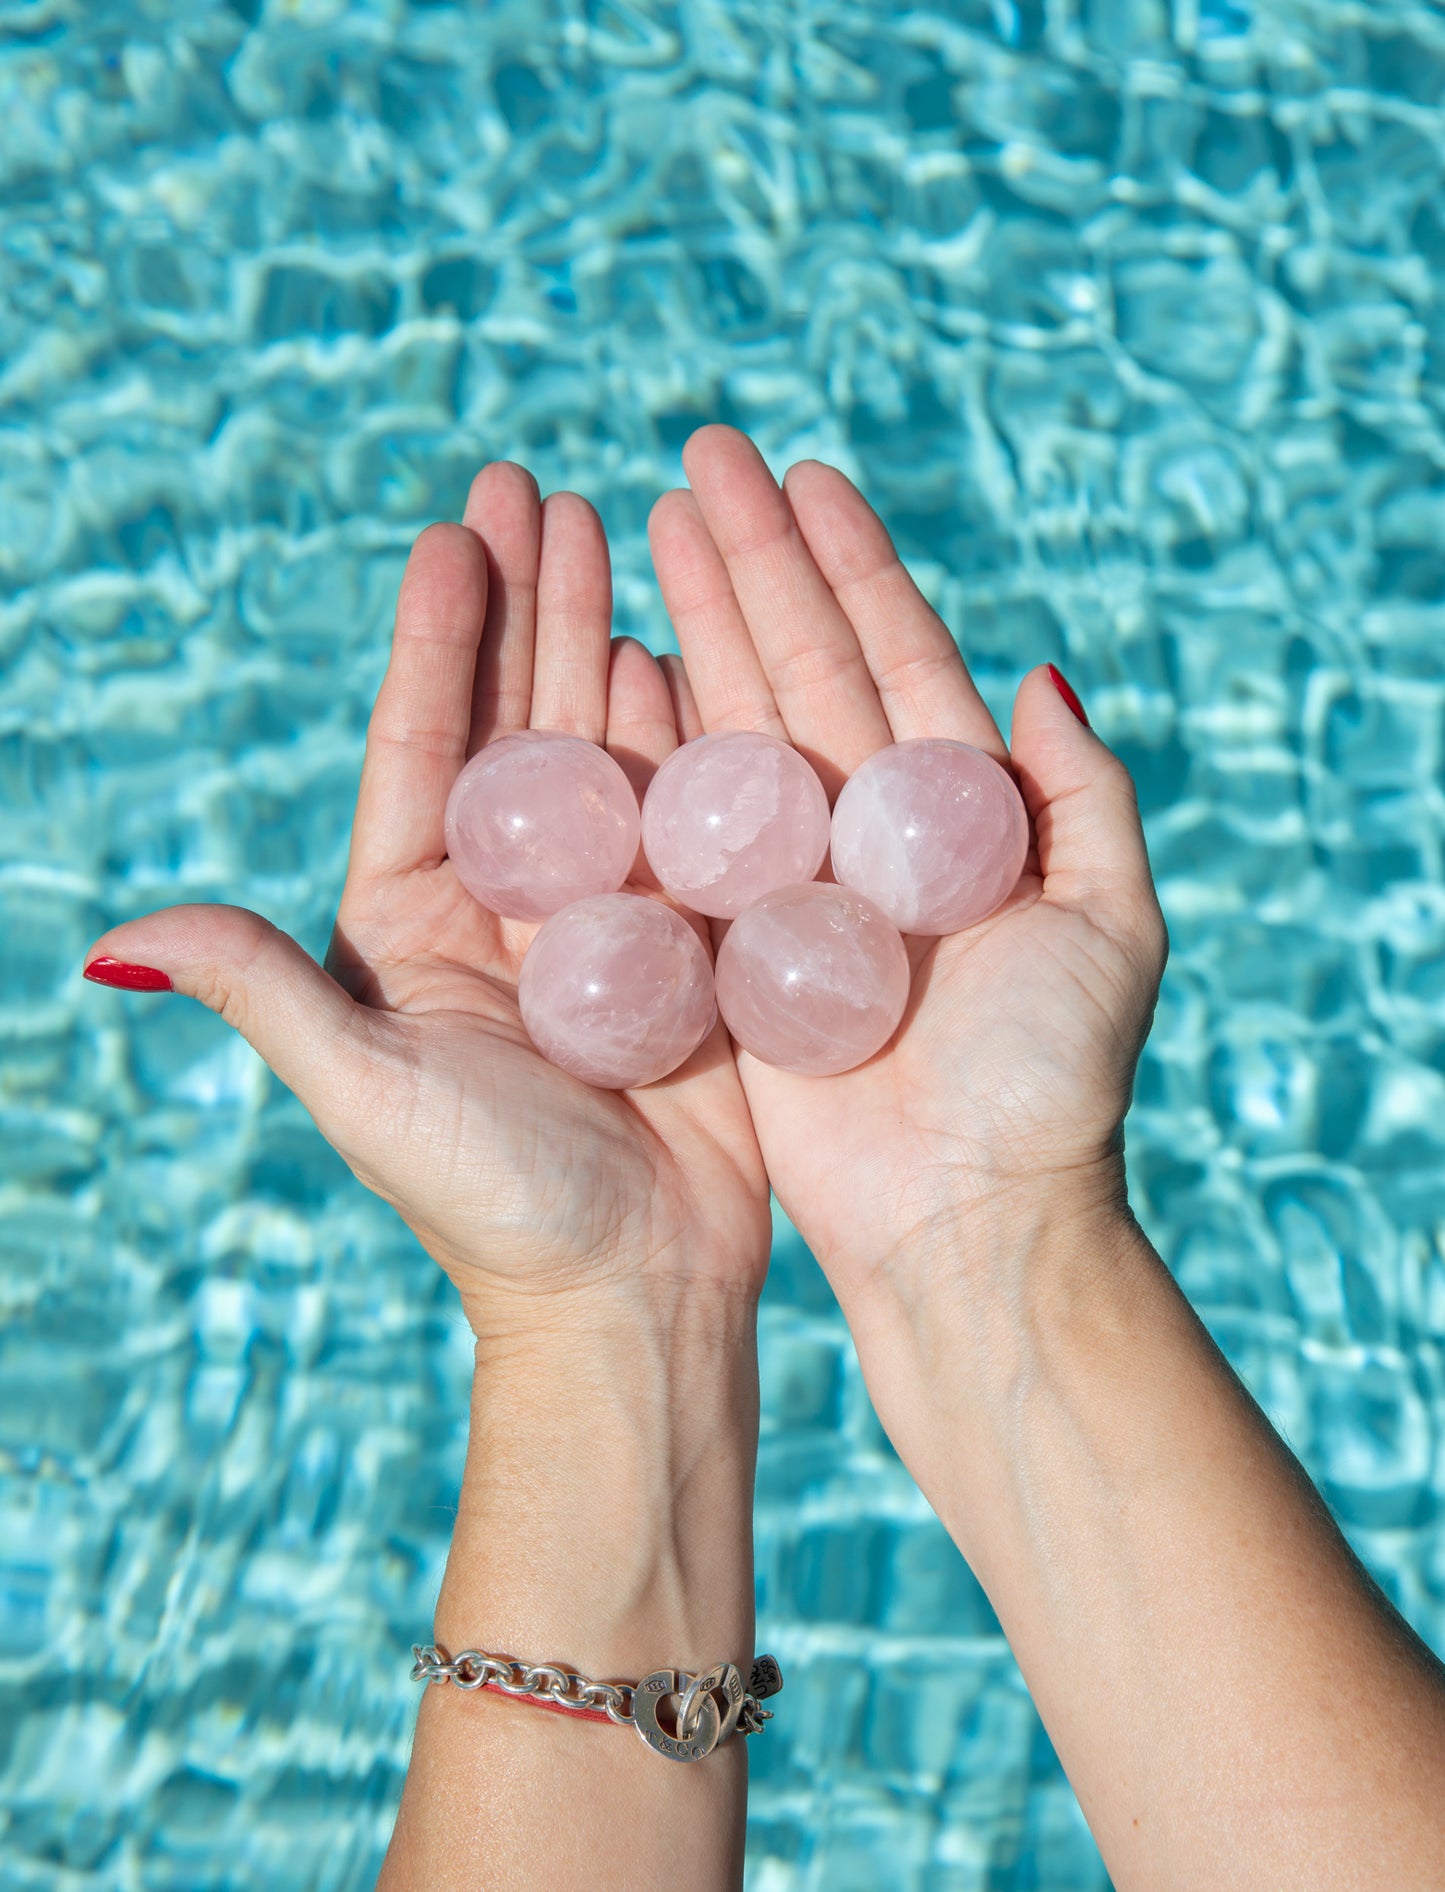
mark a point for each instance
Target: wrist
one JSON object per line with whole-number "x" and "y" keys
{"x": 673, "y": 1291}
{"x": 984, "y": 1242}
{"x": 960, "y": 1329}
{"x": 606, "y": 1508}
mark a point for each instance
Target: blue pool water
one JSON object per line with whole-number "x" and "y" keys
{"x": 1130, "y": 316}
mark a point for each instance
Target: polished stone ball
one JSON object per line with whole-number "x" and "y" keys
{"x": 812, "y": 979}
{"x": 729, "y": 817}
{"x": 933, "y": 832}
{"x": 617, "y": 989}
{"x": 538, "y": 819}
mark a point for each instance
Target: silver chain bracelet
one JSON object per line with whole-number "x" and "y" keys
{"x": 704, "y": 1709}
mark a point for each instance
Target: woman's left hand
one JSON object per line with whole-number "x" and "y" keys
{"x": 1007, "y": 1084}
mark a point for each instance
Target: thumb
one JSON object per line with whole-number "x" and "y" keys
{"x": 257, "y": 977}
{"x": 1082, "y": 802}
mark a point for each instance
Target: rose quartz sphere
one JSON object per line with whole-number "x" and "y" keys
{"x": 537, "y": 820}
{"x": 812, "y": 979}
{"x": 617, "y": 990}
{"x": 729, "y": 817}
{"x": 933, "y": 831}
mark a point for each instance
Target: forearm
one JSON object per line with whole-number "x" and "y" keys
{"x": 1232, "y": 1698}
{"x": 604, "y": 1523}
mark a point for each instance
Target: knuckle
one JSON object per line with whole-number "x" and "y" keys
{"x": 861, "y": 566}
{"x": 914, "y": 676}
{"x": 1117, "y": 775}
{"x": 224, "y": 986}
{"x": 219, "y": 993}
{"x": 816, "y": 666}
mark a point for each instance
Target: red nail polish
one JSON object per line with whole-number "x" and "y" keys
{"x": 116, "y": 972}
{"x": 1065, "y": 690}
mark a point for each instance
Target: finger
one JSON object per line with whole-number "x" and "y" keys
{"x": 684, "y": 703}
{"x": 921, "y": 678}
{"x": 574, "y": 621}
{"x": 504, "y": 509}
{"x": 417, "y": 740}
{"x": 732, "y": 691}
{"x": 641, "y": 727}
{"x": 313, "y": 1036}
{"x": 807, "y": 647}
{"x": 1085, "y": 812}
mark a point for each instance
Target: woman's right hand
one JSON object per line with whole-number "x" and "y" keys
{"x": 529, "y": 1187}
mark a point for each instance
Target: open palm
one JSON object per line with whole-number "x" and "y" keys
{"x": 1015, "y": 1057}
{"x": 411, "y": 1055}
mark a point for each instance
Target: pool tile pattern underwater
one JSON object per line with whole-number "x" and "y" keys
{"x": 1131, "y": 317}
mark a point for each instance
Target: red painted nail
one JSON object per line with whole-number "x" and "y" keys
{"x": 1066, "y": 691}
{"x": 116, "y": 972}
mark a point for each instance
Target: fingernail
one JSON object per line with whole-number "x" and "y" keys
{"x": 1066, "y": 691}
{"x": 116, "y": 972}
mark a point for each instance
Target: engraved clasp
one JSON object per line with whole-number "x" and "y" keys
{"x": 664, "y": 1691}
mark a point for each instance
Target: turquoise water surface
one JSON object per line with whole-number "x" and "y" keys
{"x": 1130, "y": 317}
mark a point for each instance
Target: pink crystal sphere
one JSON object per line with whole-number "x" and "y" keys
{"x": 537, "y": 820}
{"x": 812, "y": 979}
{"x": 617, "y": 990}
{"x": 729, "y": 817}
{"x": 933, "y": 831}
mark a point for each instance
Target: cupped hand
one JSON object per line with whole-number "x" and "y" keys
{"x": 1013, "y": 1067}
{"x": 408, "y": 1050}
